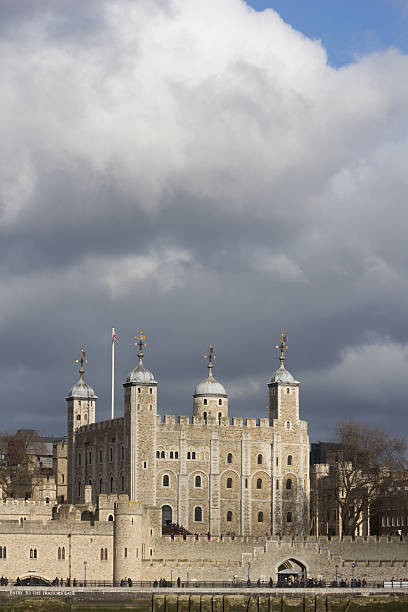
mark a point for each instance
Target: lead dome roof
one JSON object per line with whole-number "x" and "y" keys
{"x": 141, "y": 375}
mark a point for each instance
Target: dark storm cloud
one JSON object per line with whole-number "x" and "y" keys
{"x": 197, "y": 169}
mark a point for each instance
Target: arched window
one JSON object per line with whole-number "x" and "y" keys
{"x": 171, "y": 454}
{"x": 219, "y": 418}
{"x": 220, "y": 402}
{"x": 287, "y": 390}
{"x": 205, "y": 402}
{"x": 197, "y": 481}
{"x": 4, "y": 552}
{"x": 157, "y": 454}
{"x": 111, "y": 484}
{"x": 176, "y": 455}
{"x": 163, "y": 455}
{"x": 111, "y": 454}
{"x": 100, "y": 485}
{"x": 167, "y": 515}
{"x": 259, "y": 483}
{"x": 63, "y": 553}
{"x": 289, "y": 484}
{"x": 110, "y": 518}
{"x": 229, "y": 483}
{"x": 260, "y": 459}
{"x": 277, "y": 483}
{"x": 193, "y": 455}
{"x": 198, "y": 514}
{"x": 102, "y": 555}
{"x": 229, "y": 516}
{"x": 100, "y": 455}
{"x": 229, "y": 458}
{"x": 289, "y": 459}
{"x": 166, "y": 480}
{"x": 205, "y": 417}
{"x": 122, "y": 482}
{"x": 260, "y": 517}
{"x": 59, "y": 552}
{"x": 79, "y": 488}
{"x": 90, "y": 458}
{"x": 289, "y": 517}
{"x": 188, "y": 455}
{"x": 246, "y": 483}
{"x": 122, "y": 453}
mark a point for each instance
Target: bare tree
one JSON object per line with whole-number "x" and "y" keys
{"x": 366, "y": 457}
{"x": 18, "y": 463}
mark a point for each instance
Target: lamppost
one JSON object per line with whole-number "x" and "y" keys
{"x": 85, "y": 564}
{"x": 249, "y": 578}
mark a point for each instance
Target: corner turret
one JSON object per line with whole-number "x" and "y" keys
{"x": 210, "y": 397}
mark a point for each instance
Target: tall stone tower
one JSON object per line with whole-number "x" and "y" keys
{"x": 81, "y": 411}
{"x": 140, "y": 430}
{"x": 290, "y": 463}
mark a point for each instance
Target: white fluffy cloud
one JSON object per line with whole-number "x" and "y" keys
{"x": 204, "y": 160}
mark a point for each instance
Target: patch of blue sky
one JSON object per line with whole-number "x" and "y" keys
{"x": 348, "y": 29}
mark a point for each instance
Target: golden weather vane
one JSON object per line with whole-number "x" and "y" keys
{"x": 82, "y": 361}
{"x": 140, "y": 342}
{"x": 282, "y": 346}
{"x": 210, "y": 356}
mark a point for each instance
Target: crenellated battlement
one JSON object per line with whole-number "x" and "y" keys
{"x": 101, "y": 425}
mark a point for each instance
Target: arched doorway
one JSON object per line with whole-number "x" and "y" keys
{"x": 167, "y": 515}
{"x": 291, "y": 571}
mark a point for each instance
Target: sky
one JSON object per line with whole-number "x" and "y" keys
{"x": 208, "y": 171}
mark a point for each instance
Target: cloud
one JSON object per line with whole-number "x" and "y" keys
{"x": 200, "y": 170}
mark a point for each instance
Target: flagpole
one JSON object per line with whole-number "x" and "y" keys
{"x": 113, "y": 375}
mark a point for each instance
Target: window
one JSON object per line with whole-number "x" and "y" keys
{"x": 111, "y": 454}
{"x": 289, "y": 517}
{"x": 260, "y": 517}
{"x": 277, "y": 483}
{"x": 104, "y": 554}
{"x": 33, "y": 553}
{"x": 125, "y": 553}
{"x": 246, "y": 483}
{"x": 100, "y": 485}
{"x": 205, "y": 417}
{"x": 205, "y": 402}
{"x": 171, "y": 454}
{"x": 79, "y": 458}
{"x": 122, "y": 482}
{"x": 193, "y": 455}
{"x": 219, "y": 418}
{"x": 176, "y": 455}
{"x": 145, "y": 465}
{"x": 198, "y": 514}
{"x": 229, "y": 483}
{"x": 277, "y": 460}
{"x": 4, "y": 552}
{"x": 79, "y": 488}
{"x": 229, "y": 458}
{"x": 289, "y": 484}
{"x": 229, "y": 516}
{"x": 78, "y": 417}
{"x": 122, "y": 453}
{"x": 151, "y": 391}
{"x": 289, "y": 459}
{"x": 188, "y": 455}
{"x": 197, "y": 481}
{"x": 220, "y": 402}
{"x": 166, "y": 480}
{"x": 90, "y": 458}
{"x": 157, "y": 454}
{"x": 287, "y": 390}
{"x": 163, "y": 455}
{"x": 111, "y": 484}
{"x": 139, "y": 390}
{"x": 259, "y": 483}
{"x": 110, "y": 518}
{"x": 260, "y": 459}
{"x": 100, "y": 455}
{"x": 287, "y": 424}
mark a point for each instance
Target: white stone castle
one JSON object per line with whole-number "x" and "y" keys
{"x": 206, "y": 474}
